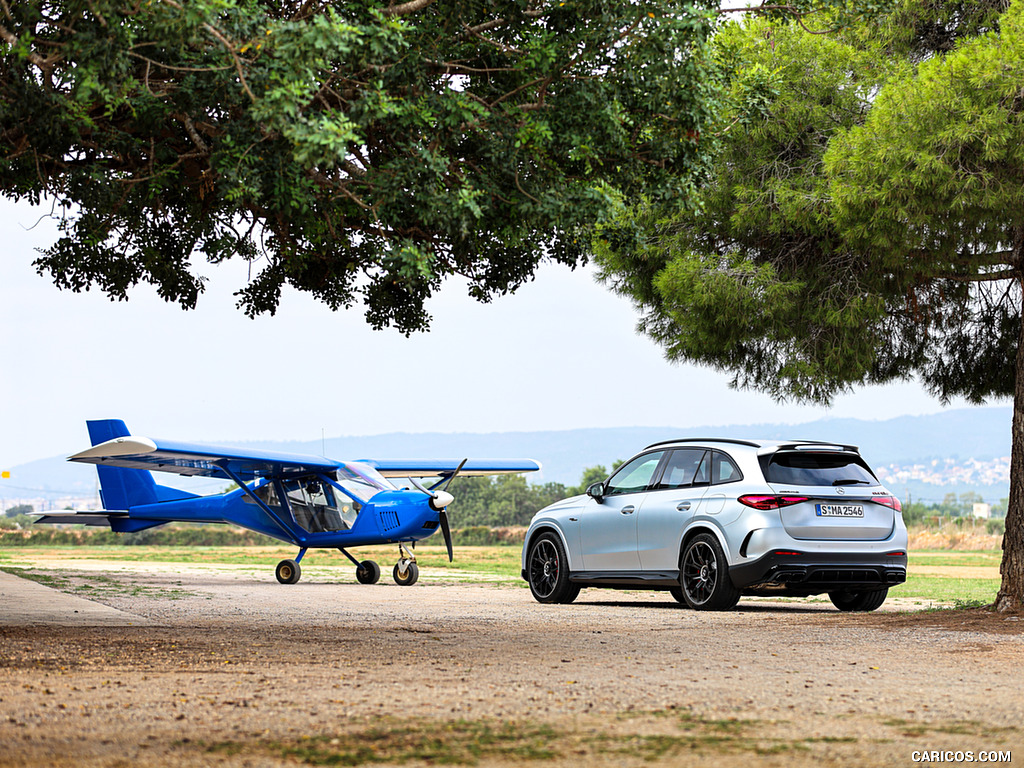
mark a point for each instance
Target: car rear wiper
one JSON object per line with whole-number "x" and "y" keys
{"x": 850, "y": 481}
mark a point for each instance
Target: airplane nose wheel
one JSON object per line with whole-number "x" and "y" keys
{"x": 288, "y": 572}
{"x": 406, "y": 572}
{"x": 409, "y": 576}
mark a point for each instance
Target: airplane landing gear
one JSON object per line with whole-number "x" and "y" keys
{"x": 288, "y": 572}
{"x": 406, "y": 572}
{"x": 368, "y": 572}
{"x": 407, "y": 578}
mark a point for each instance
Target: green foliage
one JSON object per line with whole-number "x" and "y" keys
{"x": 752, "y": 277}
{"x": 591, "y": 475}
{"x": 16, "y": 522}
{"x": 930, "y": 188}
{"x": 861, "y": 216}
{"x": 357, "y": 151}
{"x": 995, "y": 527}
{"x": 498, "y": 501}
{"x": 184, "y": 535}
{"x": 19, "y": 509}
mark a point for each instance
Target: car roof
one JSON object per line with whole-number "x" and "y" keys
{"x": 761, "y": 445}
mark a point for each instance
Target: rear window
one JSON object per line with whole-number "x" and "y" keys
{"x": 804, "y": 468}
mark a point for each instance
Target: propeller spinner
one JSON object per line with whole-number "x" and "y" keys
{"x": 439, "y": 500}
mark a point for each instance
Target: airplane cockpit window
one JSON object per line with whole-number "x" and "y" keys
{"x": 330, "y": 504}
{"x": 267, "y": 493}
{"x": 317, "y": 506}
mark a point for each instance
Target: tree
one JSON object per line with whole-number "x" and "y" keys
{"x": 591, "y": 475}
{"x": 20, "y": 509}
{"x": 865, "y": 224}
{"x": 934, "y": 180}
{"x": 360, "y": 151}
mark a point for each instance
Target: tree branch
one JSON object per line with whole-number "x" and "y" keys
{"x": 406, "y": 8}
{"x": 11, "y": 39}
{"x": 227, "y": 44}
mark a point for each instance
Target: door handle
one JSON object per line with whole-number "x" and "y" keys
{"x": 683, "y": 506}
{"x": 628, "y": 510}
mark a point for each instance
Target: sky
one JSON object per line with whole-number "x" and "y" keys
{"x": 560, "y": 353}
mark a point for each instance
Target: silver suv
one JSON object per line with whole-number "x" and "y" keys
{"x": 710, "y": 520}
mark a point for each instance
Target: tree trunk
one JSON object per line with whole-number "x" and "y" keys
{"x": 1011, "y": 590}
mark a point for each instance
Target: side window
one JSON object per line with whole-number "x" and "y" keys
{"x": 634, "y": 476}
{"x": 267, "y": 493}
{"x": 682, "y": 468}
{"x": 723, "y": 470}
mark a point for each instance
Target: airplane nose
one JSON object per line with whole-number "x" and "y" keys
{"x": 440, "y": 500}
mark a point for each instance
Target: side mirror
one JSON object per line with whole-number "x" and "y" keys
{"x": 596, "y": 492}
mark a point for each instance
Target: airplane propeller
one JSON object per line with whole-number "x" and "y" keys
{"x": 439, "y": 500}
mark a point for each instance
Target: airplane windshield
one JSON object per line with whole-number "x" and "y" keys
{"x": 361, "y": 481}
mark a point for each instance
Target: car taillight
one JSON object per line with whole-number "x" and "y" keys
{"x": 889, "y": 501}
{"x": 771, "y": 502}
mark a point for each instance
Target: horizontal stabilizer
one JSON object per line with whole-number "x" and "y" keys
{"x": 78, "y": 518}
{"x": 444, "y": 467}
{"x": 119, "y": 522}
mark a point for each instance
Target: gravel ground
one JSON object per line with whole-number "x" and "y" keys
{"x": 237, "y": 670}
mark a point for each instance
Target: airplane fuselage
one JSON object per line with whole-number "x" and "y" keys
{"x": 388, "y": 517}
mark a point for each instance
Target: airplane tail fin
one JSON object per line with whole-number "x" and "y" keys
{"x": 121, "y": 488}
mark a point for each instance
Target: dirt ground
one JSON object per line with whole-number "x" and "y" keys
{"x": 225, "y": 667}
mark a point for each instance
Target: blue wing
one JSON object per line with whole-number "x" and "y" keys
{"x": 200, "y": 460}
{"x": 113, "y": 446}
{"x": 443, "y": 467}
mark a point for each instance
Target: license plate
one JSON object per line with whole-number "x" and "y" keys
{"x": 839, "y": 510}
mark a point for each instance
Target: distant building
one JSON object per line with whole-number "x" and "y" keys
{"x": 982, "y": 510}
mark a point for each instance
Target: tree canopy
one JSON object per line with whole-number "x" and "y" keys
{"x": 865, "y": 224}
{"x": 358, "y": 151}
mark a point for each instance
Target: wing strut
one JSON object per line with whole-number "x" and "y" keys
{"x": 259, "y": 502}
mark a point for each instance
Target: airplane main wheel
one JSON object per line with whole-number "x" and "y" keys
{"x": 411, "y": 576}
{"x": 288, "y": 572}
{"x": 368, "y": 572}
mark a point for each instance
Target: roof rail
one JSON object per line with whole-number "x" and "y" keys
{"x": 705, "y": 440}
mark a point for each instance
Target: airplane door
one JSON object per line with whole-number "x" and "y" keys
{"x": 670, "y": 506}
{"x": 608, "y": 531}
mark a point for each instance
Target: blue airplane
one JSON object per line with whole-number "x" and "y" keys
{"x": 309, "y": 501}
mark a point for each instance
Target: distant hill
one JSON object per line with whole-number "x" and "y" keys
{"x": 976, "y": 433}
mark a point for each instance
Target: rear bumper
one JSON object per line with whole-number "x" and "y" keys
{"x": 813, "y": 573}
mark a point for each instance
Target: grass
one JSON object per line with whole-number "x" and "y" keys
{"x": 93, "y": 585}
{"x": 948, "y": 589}
{"x": 986, "y": 558}
{"x": 468, "y": 742}
{"x": 490, "y": 564}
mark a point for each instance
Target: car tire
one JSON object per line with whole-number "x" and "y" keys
{"x": 547, "y": 571}
{"x": 677, "y": 593}
{"x": 704, "y": 575}
{"x": 865, "y": 600}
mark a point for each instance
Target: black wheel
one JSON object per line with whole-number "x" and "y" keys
{"x": 677, "y": 593}
{"x": 704, "y": 576}
{"x": 548, "y": 571}
{"x": 368, "y": 572}
{"x": 410, "y": 577}
{"x": 288, "y": 572}
{"x": 866, "y": 600}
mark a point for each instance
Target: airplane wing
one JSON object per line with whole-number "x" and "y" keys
{"x": 196, "y": 459}
{"x": 445, "y": 467}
